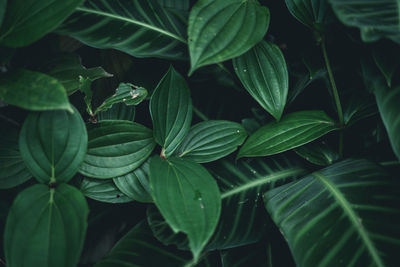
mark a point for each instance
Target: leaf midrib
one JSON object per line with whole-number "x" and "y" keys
{"x": 139, "y": 23}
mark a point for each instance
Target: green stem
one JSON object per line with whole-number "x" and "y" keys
{"x": 335, "y": 95}
{"x": 200, "y": 114}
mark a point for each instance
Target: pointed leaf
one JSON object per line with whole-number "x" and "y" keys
{"x": 346, "y": 214}
{"x": 182, "y": 5}
{"x": 46, "y": 227}
{"x": 187, "y": 197}
{"x": 53, "y": 144}
{"x": 317, "y": 153}
{"x": 293, "y": 130}
{"x": 263, "y": 72}
{"x": 26, "y": 21}
{"x": 33, "y": 91}
{"x": 171, "y": 111}
{"x": 223, "y": 29}
{"x": 115, "y": 148}
{"x": 136, "y": 184}
{"x": 103, "y": 190}
{"x": 118, "y": 111}
{"x": 309, "y": 12}
{"x": 139, "y": 28}
{"x": 210, "y": 140}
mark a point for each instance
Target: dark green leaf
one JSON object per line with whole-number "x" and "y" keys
{"x": 192, "y": 202}
{"x": 53, "y": 144}
{"x": 33, "y": 90}
{"x": 309, "y": 12}
{"x": 140, "y": 249}
{"x": 3, "y": 5}
{"x": 182, "y": 5}
{"x": 13, "y": 171}
{"x": 126, "y": 93}
{"x": 219, "y": 30}
{"x": 263, "y": 72}
{"x": 136, "y": 184}
{"x": 388, "y": 103}
{"x": 68, "y": 69}
{"x": 359, "y": 108}
{"x": 210, "y": 140}
{"x": 302, "y": 83}
{"x": 115, "y": 148}
{"x": 345, "y": 215}
{"x": 171, "y": 111}
{"x": 26, "y": 21}
{"x": 118, "y": 111}
{"x": 103, "y": 190}
{"x": 293, "y": 130}
{"x": 46, "y": 227}
{"x": 387, "y": 59}
{"x": 318, "y": 153}
{"x": 375, "y": 18}
{"x": 139, "y": 28}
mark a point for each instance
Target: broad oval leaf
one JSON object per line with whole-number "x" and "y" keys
{"x": 139, "y": 28}
{"x": 192, "y": 203}
{"x": 223, "y": 29}
{"x": 118, "y": 111}
{"x": 293, "y": 130}
{"x": 136, "y": 184}
{"x": 345, "y": 215}
{"x": 26, "y": 21}
{"x": 309, "y": 12}
{"x": 13, "y": 171}
{"x": 388, "y": 103}
{"x": 263, "y": 72}
{"x": 376, "y": 18}
{"x": 115, "y": 148}
{"x": 210, "y": 140}
{"x": 46, "y": 227}
{"x": 103, "y": 190}
{"x": 53, "y": 144}
{"x": 317, "y": 153}
{"x": 33, "y": 91}
{"x": 171, "y": 111}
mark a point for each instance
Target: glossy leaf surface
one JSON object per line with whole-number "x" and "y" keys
{"x": 171, "y": 111}
{"x": 139, "y": 28}
{"x": 223, "y": 29}
{"x": 263, "y": 72}
{"x": 26, "y": 21}
{"x": 53, "y": 144}
{"x": 46, "y": 227}
{"x": 210, "y": 140}
{"x": 33, "y": 91}
{"x": 192, "y": 202}
{"x": 346, "y": 214}
{"x": 103, "y": 190}
{"x": 293, "y": 130}
{"x": 115, "y": 148}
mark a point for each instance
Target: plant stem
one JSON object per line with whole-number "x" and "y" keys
{"x": 335, "y": 95}
{"x": 200, "y": 114}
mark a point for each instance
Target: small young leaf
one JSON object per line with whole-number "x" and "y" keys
{"x": 46, "y": 227}
{"x": 115, "y": 148}
{"x": 223, "y": 29}
{"x": 263, "y": 72}
{"x": 171, "y": 111}
{"x": 293, "y": 130}
{"x": 103, "y": 190}
{"x": 3, "y": 5}
{"x": 210, "y": 140}
{"x": 188, "y": 198}
{"x": 53, "y": 144}
{"x": 118, "y": 111}
{"x": 33, "y": 91}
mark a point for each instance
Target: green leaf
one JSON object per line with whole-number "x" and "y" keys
{"x": 264, "y": 74}
{"x": 53, "y": 144}
{"x": 309, "y": 12}
{"x": 136, "y": 184}
{"x": 139, "y": 248}
{"x": 126, "y": 93}
{"x": 26, "y": 21}
{"x": 317, "y": 153}
{"x": 388, "y": 104}
{"x": 46, "y": 227}
{"x": 387, "y": 59}
{"x": 139, "y": 28}
{"x": 115, "y": 148}
{"x": 210, "y": 140}
{"x": 3, "y": 5}
{"x": 293, "y": 130}
{"x": 171, "y": 111}
{"x": 219, "y": 30}
{"x": 33, "y": 91}
{"x": 182, "y": 5}
{"x": 118, "y": 111}
{"x": 192, "y": 202}
{"x": 345, "y": 215}
{"x": 13, "y": 171}
{"x": 103, "y": 190}
{"x": 359, "y": 107}
{"x": 375, "y": 18}
{"x": 68, "y": 69}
